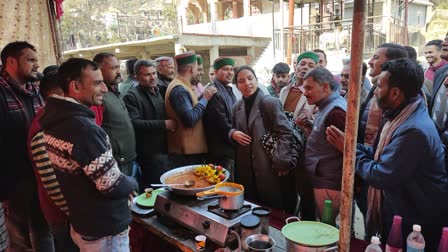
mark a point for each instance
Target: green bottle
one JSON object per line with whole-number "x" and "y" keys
{"x": 327, "y": 216}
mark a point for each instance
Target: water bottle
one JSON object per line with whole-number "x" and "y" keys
{"x": 394, "y": 240}
{"x": 415, "y": 241}
{"x": 443, "y": 244}
{"x": 327, "y": 216}
{"x": 374, "y": 245}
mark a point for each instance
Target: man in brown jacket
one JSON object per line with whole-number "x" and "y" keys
{"x": 187, "y": 143}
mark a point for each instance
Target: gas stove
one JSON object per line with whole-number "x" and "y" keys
{"x": 202, "y": 216}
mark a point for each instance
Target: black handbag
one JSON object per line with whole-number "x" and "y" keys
{"x": 270, "y": 142}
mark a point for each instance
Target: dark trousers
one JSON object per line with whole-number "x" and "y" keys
{"x": 27, "y": 227}
{"x": 179, "y": 160}
{"x": 307, "y": 206}
{"x": 62, "y": 240}
{"x": 152, "y": 168}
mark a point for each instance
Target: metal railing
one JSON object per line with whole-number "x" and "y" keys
{"x": 336, "y": 35}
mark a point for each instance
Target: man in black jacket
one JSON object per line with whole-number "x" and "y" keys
{"x": 147, "y": 111}
{"x": 116, "y": 121}
{"x": 165, "y": 73}
{"x": 19, "y": 102}
{"x": 218, "y": 114}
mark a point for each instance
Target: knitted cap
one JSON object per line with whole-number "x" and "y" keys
{"x": 220, "y": 62}
{"x": 309, "y": 55}
{"x": 186, "y": 58}
{"x": 199, "y": 59}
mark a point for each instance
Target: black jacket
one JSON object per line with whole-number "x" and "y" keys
{"x": 147, "y": 112}
{"x": 218, "y": 123}
{"x": 81, "y": 155}
{"x": 438, "y": 82}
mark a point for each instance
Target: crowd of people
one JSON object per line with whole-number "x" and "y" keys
{"x": 78, "y": 142}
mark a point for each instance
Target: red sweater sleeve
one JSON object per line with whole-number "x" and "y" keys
{"x": 98, "y": 109}
{"x": 336, "y": 117}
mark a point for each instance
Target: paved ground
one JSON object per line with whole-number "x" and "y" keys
{"x": 359, "y": 224}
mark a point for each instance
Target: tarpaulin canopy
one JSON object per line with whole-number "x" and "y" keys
{"x": 32, "y": 21}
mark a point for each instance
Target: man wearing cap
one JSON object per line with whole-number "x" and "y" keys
{"x": 198, "y": 88}
{"x": 165, "y": 73}
{"x": 291, "y": 96}
{"x": 295, "y": 102}
{"x": 217, "y": 116}
{"x": 187, "y": 143}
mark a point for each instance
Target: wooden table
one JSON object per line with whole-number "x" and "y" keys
{"x": 183, "y": 239}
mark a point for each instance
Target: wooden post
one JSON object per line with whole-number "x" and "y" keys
{"x": 351, "y": 124}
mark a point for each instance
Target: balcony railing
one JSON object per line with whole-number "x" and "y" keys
{"x": 336, "y": 35}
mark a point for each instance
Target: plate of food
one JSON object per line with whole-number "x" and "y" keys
{"x": 205, "y": 177}
{"x": 147, "y": 199}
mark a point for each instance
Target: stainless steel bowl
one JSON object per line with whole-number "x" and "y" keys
{"x": 187, "y": 191}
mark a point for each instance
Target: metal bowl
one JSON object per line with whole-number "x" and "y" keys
{"x": 187, "y": 191}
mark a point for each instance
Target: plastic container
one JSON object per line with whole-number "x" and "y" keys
{"x": 394, "y": 240}
{"x": 250, "y": 225}
{"x": 327, "y": 216}
{"x": 443, "y": 244}
{"x": 263, "y": 213}
{"x": 374, "y": 245}
{"x": 415, "y": 241}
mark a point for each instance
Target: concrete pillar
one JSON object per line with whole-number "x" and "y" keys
{"x": 246, "y": 8}
{"x": 387, "y": 8}
{"x": 251, "y": 54}
{"x": 182, "y": 15}
{"x": 214, "y": 53}
{"x": 213, "y": 16}
{"x": 234, "y": 9}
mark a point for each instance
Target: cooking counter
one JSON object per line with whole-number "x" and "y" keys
{"x": 183, "y": 239}
{"x": 165, "y": 233}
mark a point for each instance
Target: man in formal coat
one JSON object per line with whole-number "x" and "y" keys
{"x": 146, "y": 109}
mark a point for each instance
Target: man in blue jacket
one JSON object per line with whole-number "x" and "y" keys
{"x": 405, "y": 168}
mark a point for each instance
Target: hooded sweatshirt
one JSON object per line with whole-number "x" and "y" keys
{"x": 80, "y": 152}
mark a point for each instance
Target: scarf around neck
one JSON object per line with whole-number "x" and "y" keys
{"x": 374, "y": 221}
{"x": 12, "y": 88}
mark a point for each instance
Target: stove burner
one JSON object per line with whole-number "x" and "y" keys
{"x": 229, "y": 214}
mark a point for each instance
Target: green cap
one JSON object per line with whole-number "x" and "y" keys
{"x": 220, "y": 62}
{"x": 309, "y": 55}
{"x": 186, "y": 58}
{"x": 199, "y": 59}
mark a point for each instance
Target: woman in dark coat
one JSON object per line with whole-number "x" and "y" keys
{"x": 268, "y": 182}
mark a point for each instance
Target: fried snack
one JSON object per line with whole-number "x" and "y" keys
{"x": 210, "y": 173}
{"x": 148, "y": 192}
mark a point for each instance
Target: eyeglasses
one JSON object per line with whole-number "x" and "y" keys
{"x": 347, "y": 76}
